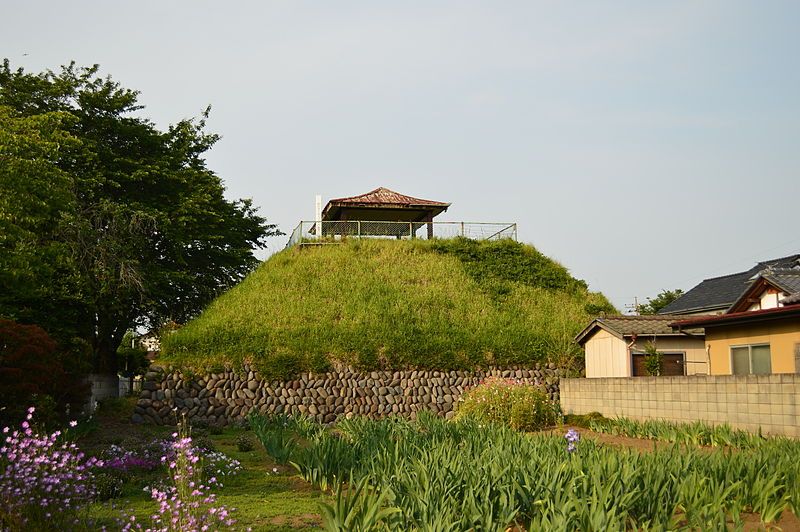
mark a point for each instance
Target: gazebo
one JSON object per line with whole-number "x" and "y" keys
{"x": 402, "y": 214}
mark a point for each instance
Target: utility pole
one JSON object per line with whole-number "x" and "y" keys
{"x": 633, "y": 309}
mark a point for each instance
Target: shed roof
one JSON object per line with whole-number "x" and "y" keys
{"x": 383, "y": 199}
{"x": 719, "y": 293}
{"x": 384, "y": 196}
{"x": 621, "y": 326}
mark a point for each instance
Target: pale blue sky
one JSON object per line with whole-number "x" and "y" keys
{"x": 645, "y": 145}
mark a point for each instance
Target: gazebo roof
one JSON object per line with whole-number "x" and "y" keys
{"x": 382, "y": 198}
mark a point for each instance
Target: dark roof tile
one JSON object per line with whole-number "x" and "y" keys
{"x": 722, "y": 292}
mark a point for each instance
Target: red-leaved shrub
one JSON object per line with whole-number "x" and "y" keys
{"x": 34, "y": 371}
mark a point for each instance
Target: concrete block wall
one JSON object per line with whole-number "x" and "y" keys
{"x": 771, "y": 402}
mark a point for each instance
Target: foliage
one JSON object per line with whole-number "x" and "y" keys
{"x": 439, "y": 475}
{"x": 392, "y": 304}
{"x": 358, "y": 508}
{"x": 696, "y": 433}
{"x": 132, "y": 358}
{"x": 44, "y": 484}
{"x": 188, "y": 502}
{"x": 276, "y": 435}
{"x": 653, "y": 360}
{"x": 664, "y": 298}
{"x": 34, "y": 371}
{"x": 34, "y": 191}
{"x": 508, "y": 402}
{"x": 495, "y": 262}
{"x": 244, "y": 443}
{"x": 107, "y": 221}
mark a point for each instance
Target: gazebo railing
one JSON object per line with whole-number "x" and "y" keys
{"x": 310, "y": 232}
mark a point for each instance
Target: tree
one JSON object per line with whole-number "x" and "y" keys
{"x": 653, "y": 360}
{"x": 663, "y": 299}
{"x": 128, "y": 226}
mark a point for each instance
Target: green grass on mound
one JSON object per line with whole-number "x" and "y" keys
{"x": 446, "y": 304}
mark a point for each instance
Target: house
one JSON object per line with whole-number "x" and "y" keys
{"x": 760, "y": 334}
{"x": 718, "y": 294}
{"x": 615, "y": 346}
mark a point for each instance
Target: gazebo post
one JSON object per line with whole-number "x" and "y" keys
{"x": 429, "y": 220}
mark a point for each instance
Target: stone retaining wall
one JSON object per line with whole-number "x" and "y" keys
{"x": 222, "y": 398}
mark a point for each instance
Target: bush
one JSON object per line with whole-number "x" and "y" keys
{"x": 508, "y": 402}
{"x": 33, "y": 371}
{"x": 107, "y": 486}
{"x": 653, "y": 360}
{"x": 244, "y": 443}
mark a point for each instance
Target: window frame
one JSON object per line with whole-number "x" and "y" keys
{"x": 750, "y": 356}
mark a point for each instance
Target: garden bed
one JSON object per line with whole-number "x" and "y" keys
{"x": 460, "y": 474}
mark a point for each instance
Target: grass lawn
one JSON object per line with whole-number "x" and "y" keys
{"x": 264, "y": 499}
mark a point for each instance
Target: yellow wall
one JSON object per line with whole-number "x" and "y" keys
{"x": 782, "y": 337}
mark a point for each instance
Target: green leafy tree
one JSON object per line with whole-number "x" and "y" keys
{"x": 663, "y": 299}
{"x": 108, "y": 222}
{"x": 653, "y": 360}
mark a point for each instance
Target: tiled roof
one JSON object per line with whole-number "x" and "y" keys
{"x": 630, "y": 325}
{"x": 749, "y": 316}
{"x": 384, "y": 196}
{"x": 791, "y": 300}
{"x": 626, "y": 325}
{"x": 786, "y": 279}
{"x": 722, "y": 292}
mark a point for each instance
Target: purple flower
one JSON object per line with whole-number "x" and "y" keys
{"x": 573, "y": 437}
{"x": 43, "y": 480}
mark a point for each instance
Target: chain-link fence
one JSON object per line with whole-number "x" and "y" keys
{"x": 330, "y": 232}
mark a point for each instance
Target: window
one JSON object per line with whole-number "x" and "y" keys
{"x": 751, "y": 360}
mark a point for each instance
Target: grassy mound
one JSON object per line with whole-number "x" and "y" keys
{"x": 392, "y": 304}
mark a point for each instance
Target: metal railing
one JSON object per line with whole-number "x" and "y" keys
{"x": 309, "y": 232}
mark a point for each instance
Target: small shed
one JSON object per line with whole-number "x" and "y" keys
{"x": 615, "y": 346}
{"x": 381, "y": 205}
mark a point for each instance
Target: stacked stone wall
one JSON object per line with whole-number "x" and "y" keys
{"x": 222, "y": 398}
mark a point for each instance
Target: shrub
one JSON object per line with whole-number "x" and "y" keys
{"x": 43, "y": 483}
{"x": 33, "y": 371}
{"x": 107, "y": 486}
{"x": 653, "y": 360}
{"x": 244, "y": 443}
{"x": 508, "y": 402}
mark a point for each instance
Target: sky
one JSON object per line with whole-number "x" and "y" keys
{"x": 643, "y": 145}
